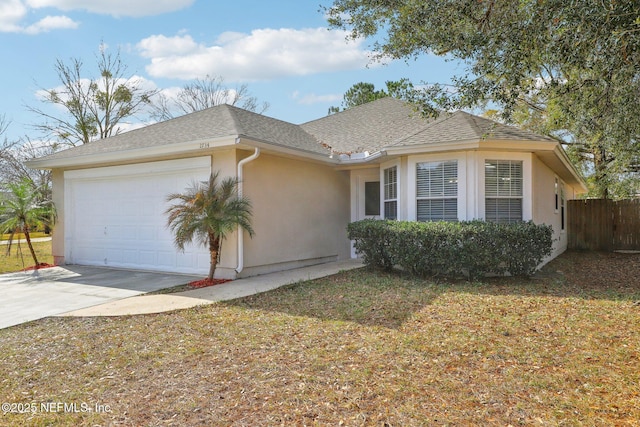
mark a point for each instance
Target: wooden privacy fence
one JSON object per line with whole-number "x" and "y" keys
{"x": 600, "y": 224}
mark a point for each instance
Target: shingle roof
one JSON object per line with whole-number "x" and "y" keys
{"x": 371, "y": 127}
{"x": 273, "y": 131}
{"x": 368, "y": 127}
{"x": 216, "y": 122}
{"x": 461, "y": 126}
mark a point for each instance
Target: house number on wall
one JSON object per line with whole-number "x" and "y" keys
{"x": 204, "y": 145}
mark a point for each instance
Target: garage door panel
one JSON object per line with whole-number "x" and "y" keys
{"x": 148, "y": 258}
{"x": 147, "y": 233}
{"x": 119, "y": 219}
{"x": 88, "y": 254}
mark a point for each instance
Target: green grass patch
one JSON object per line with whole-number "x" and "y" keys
{"x": 357, "y": 348}
{"x": 34, "y": 235}
{"x": 20, "y": 256}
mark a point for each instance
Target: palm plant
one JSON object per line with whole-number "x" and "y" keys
{"x": 206, "y": 212}
{"x": 23, "y": 210}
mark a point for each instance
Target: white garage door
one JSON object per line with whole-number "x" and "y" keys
{"x": 114, "y": 216}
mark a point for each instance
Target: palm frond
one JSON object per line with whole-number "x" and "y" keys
{"x": 207, "y": 211}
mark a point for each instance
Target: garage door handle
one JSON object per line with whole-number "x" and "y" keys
{"x": 105, "y": 231}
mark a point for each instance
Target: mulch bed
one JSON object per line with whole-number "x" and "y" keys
{"x": 39, "y": 266}
{"x": 206, "y": 283}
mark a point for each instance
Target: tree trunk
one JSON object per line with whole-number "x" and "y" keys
{"x": 28, "y": 239}
{"x": 214, "y": 250}
{"x": 600, "y": 169}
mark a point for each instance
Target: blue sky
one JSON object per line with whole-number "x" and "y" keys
{"x": 282, "y": 50}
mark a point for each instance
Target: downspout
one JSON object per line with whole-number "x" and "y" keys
{"x": 241, "y": 164}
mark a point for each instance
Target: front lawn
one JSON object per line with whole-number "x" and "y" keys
{"x": 33, "y": 235}
{"x": 357, "y": 348}
{"x": 20, "y": 257}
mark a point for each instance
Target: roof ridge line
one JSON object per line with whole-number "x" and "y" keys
{"x": 356, "y": 107}
{"x": 427, "y": 126}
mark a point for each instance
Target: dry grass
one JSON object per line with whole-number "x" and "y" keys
{"x": 20, "y": 256}
{"x": 358, "y": 348}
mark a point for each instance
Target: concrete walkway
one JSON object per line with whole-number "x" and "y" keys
{"x": 145, "y": 304}
{"x": 35, "y": 239}
{"x": 31, "y": 295}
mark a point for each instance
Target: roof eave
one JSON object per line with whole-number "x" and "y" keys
{"x": 197, "y": 148}
{"x": 542, "y": 148}
{"x": 286, "y": 150}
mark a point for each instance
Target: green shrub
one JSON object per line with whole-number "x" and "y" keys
{"x": 470, "y": 248}
{"x": 372, "y": 242}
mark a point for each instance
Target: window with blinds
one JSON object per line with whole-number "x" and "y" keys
{"x": 437, "y": 191}
{"x": 391, "y": 193}
{"x": 503, "y": 190}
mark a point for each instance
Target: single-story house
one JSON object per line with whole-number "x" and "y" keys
{"x": 306, "y": 183}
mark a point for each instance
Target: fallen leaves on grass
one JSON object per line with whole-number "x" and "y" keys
{"x": 357, "y": 348}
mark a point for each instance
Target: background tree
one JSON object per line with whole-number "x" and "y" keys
{"x": 23, "y": 210}
{"x": 93, "y": 108}
{"x": 13, "y": 154}
{"x": 361, "y": 93}
{"x": 205, "y": 93}
{"x": 206, "y": 212}
{"x": 568, "y": 67}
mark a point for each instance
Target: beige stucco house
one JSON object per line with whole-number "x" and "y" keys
{"x": 306, "y": 183}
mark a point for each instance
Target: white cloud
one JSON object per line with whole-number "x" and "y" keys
{"x": 11, "y": 13}
{"x": 51, "y": 23}
{"x": 263, "y": 54}
{"x": 115, "y": 7}
{"x": 14, "y": 12}
{"x": 162, "y": 46}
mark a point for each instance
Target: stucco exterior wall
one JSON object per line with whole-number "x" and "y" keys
{"x": 544, "y": 203}
{"x": 225, "y": 162}
{"x": 57, "y": 240}
{"x": 301, "y": 210}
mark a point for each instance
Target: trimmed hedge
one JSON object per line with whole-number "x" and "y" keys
{"x": 469, "y": 248}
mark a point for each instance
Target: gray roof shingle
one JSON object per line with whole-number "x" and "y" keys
{"x": 462, "y": 126}
{"x": 371, "y": 127}
{"x": 368, "y": 127}
{"x": 216, "y": 122}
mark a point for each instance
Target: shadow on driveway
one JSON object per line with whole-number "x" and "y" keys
{"x": 31, "y": 295}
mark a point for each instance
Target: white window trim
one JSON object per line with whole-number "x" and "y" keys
{"x": 527, "y": 180}
{"x": 358, "y": 178}
{"x": 556, "y": 194}
{"x": 398, "y": 198}
{"x": 563, "y": 207}
{"x": 412, "y": 202}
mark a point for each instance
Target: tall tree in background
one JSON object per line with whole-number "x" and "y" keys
{"x": 205, "y": 93}
{"x": 13, "y": 154}
{"x": 570, "y": 68}
{"x": 92, "y": 108}
{"x": 361, "y": 93}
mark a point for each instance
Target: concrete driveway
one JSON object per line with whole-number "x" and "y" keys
{"x": 32, "y": 295}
